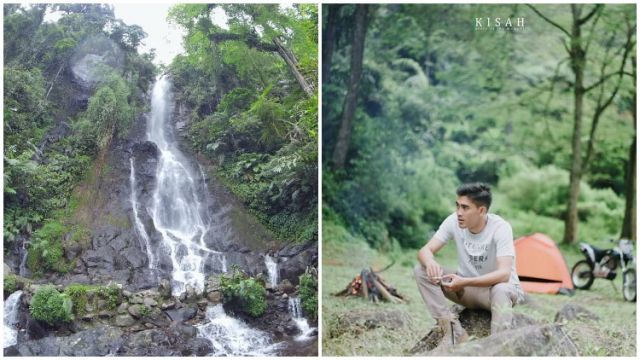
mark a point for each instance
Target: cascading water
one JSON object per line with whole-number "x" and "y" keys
{"x": 11, "y": 307}
{"x": 176, "y": 210}
{"x": 295, "y": 310}
{"x": 231, "y": 337}
{"x": 272, "y": 269}
{"x": 141, "y": 230}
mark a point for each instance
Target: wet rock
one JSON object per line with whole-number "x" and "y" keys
{"x": 125, "y": 320}
{"x": 168, "y": 305}
{"x": 573, "y": 311}
{"x": 165, "y": 288}
{"x": 136, "y": 310}
{"x": 292, "y": 267}
{"x": 174, "y": 341}
{"x": 100, "y": 341}
{"x": 135, "y": 257}
{"x": 186, "y": 313}
{"x": 215, "y": 297}
{"x": 122, "y": 309}
{"x": 286, "y": 286}
{"x": 213, "y": 283}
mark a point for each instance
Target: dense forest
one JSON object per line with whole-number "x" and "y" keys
{"x": 170, "y": 202}
{"x": 53, "y": 131}
{"x": 250, "y": 93}
{"x": 419, "y": 99}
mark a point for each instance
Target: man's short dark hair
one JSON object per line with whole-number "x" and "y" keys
{"x": 479, "y": 193}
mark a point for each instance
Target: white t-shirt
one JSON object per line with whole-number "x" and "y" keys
{"x": 477, "y": 252}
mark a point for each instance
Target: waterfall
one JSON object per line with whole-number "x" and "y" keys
{"x": 232, "y": 337}
{"x": 272, "y": 269}
{"x": 176, "y": 208}
{"x": 295, "y": 310}
{"x": 141, "y": 230}
{"x": 11, "y": 307}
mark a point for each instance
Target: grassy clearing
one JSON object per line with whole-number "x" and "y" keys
{"x": 344, "y": 256}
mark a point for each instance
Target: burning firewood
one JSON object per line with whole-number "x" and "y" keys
{"x": 370, "y": 285}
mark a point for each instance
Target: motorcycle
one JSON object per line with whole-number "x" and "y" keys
{"x": 603, "y": 263}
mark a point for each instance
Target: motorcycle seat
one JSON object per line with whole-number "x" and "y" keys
{"x": 599, "y": 253}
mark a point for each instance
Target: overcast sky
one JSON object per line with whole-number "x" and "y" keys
{"x": 166, "y": 38}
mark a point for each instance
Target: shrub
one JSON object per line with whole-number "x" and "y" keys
{"x": 244, "y": 292}
{"x": 46, "y": 251}
{"x": 10, "y": 284}
{"x": 78, "y": 294}
{"x": 111, "y": 294}
{"x": 309, "y": 294}
{"x": 51, "y": 307}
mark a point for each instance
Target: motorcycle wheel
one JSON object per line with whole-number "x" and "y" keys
{"x": 629, "y": 284}
{"x": 582, "y": 275}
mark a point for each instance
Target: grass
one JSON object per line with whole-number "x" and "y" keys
{"x": 345, "y": 255}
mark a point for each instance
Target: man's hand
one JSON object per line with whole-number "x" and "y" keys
{"x": 453, "y": 282}
{"x": 434, "y": 271}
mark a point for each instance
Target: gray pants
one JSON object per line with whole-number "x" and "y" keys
{"x": 499, "y": 299}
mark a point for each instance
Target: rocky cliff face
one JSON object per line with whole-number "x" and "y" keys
{"x": 114, "y": 254}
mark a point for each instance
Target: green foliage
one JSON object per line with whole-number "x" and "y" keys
{"x": 10, "y": 284}
{"x": 79, "y": 295}
{"x": 39, "y": 99}
{"x": 438, "y": 108}
{"x": 249, "y": 116}
{"x": 108, "y": 115}
{"x": 111, "y": 294}
{"x": 45, "y": 250}
{"x": 145, "y": 311}
{"x": 244, "y": 292}
{"x": 51, "y": 307}
{"x": 309, "y": 294}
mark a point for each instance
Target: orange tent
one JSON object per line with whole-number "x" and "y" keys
{"x": 540, "y": 265}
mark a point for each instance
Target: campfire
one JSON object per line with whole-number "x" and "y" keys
{"x": 370, "y": 285}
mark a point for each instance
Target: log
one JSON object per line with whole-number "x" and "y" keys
{"x": 385, "y": 294}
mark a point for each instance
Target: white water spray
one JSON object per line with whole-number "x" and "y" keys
{"x": 141, "y": 230}
{"x": 272, "y": 269}
{"x": 11, "y": 307}
{"x": 295, "y": 310}
{"x": 176, "y": 209}
{"x": 232, "y": 337}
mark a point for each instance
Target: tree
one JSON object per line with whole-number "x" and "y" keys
{"x": 629, "y": 222}
{"x": 350, "y": 101}
{"x": 578, "y": 50}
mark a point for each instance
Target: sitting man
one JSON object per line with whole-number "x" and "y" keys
{"x": 486, "y": 276}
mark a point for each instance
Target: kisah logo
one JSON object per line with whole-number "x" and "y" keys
{"x": 500, "y": 24}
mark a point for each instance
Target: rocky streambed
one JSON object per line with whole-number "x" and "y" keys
{"x": 150, "y": 322}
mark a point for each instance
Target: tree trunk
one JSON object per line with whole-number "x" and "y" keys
{"x": 328, "y": 41}
{"x": 629, "y": 222}
{"x": 293, "y": 66}
{"x": 350, "y": 102}
{"x": 577, "y": 65}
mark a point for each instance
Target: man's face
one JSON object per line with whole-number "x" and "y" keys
{"x": 469, "y": 214}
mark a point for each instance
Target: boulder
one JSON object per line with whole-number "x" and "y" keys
{"x": 186, "y": 313}
{"x": 99, "y": 341}
{"x": 125, "y": 320}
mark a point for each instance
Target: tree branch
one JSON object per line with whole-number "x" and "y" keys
{"x": 549, "y": 20}
{"x": 251, "y": 41}
{"x": 589, "y": 15}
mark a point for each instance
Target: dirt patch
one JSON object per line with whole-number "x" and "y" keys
{"x": 361, "y": 320}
